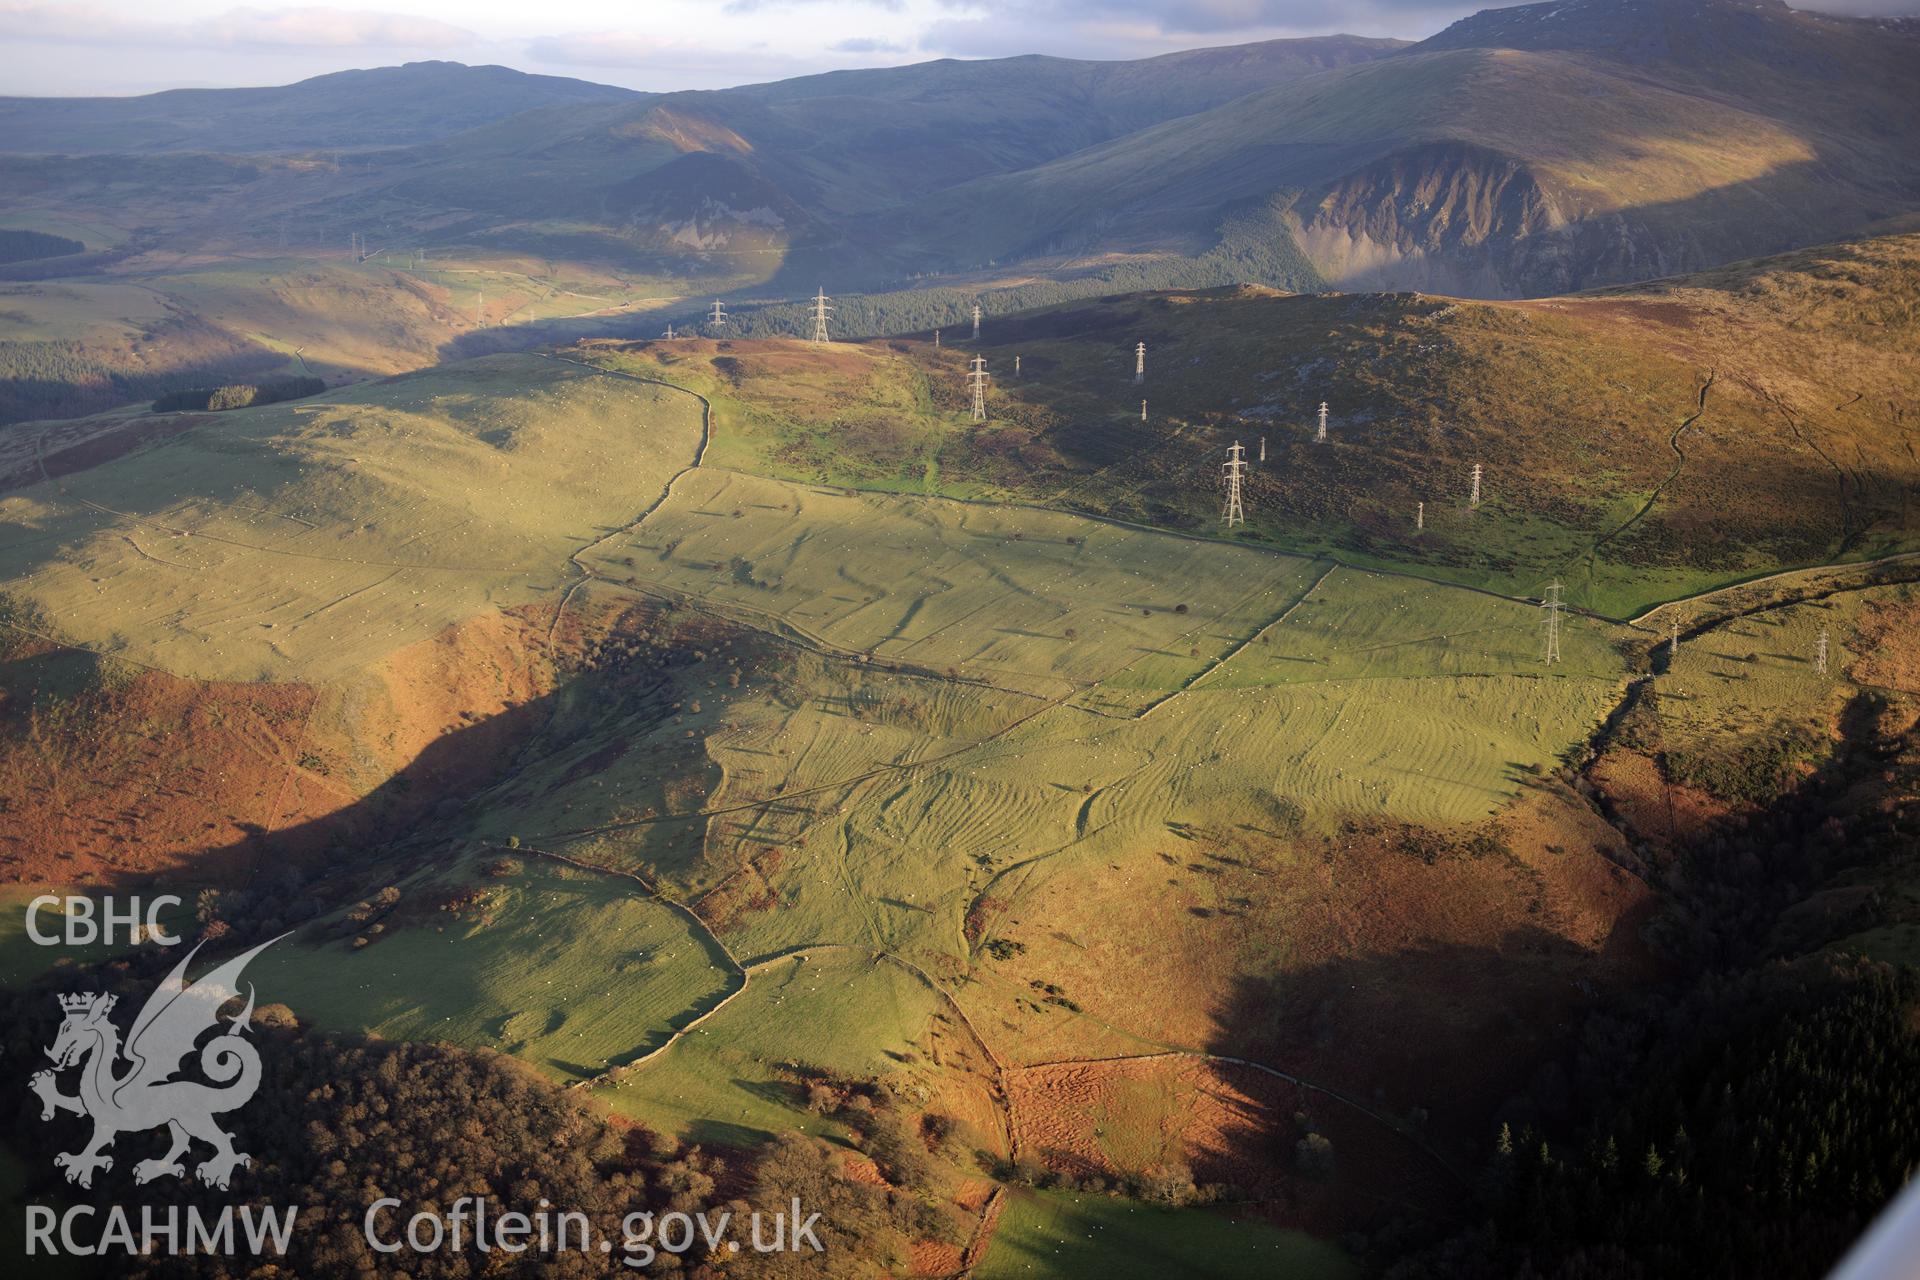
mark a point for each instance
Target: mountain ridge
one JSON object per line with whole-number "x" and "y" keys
{"x": 416, "y": 101}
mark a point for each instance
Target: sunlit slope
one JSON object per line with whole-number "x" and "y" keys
{"x": 567, "y": 969}
{"x": 303, "y": 540}
{"x": 1035, "y": 600}
{"x": 856, "y": 805}
{"x": 831, "y": 1009}
{"x": 1626, "y": 142}
{"x": 1638, "y": 444}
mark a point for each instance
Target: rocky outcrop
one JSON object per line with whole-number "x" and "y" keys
{"x": 1463, "y": 220}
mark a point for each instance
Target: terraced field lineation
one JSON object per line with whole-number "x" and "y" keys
{"x": 1237, "y": 650}
{"x": 745, "y": 973}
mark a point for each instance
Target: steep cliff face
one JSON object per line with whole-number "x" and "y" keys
{"x": 1466, "y": 220}
{"x": 703, "y": 202}
{"x": 1445, "y": 217}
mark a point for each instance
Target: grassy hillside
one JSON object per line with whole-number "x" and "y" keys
{"x": 307, "y": 539}
{"x": 963, "y": 794}
{"x": 711, "y": 787}
{"x": 1637, "y": 444}
{"x": 565, "y": 969}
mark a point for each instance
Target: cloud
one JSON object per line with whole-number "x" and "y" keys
{"x": 306, "y": 27}
{"x": 1116, "y": 29}
{"x": 1222, "y": 17}
{"x": 756, "y": 6}
{"x": 684, "y": 59}
{"x": 866, "y": 44}
{"x": 1049, "y": 20}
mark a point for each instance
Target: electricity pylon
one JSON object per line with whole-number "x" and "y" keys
{"x": 1820, "y": 653}
{"x": 976, "y": 322}
{"x": 719, "y": 317}
{"x": 977, "y": 375}
{"x": 1552, "y": 605}
{"x": 1320, "y": 436}
{"x": 1139, "y": 363}
{"x": 1473, "y": 501}
{"x": 821, "y": 310}
{"x": 1234, "y": 468}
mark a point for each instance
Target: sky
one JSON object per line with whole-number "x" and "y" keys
{"x": 67, "y": 47}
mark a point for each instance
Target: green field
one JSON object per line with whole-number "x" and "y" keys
{"x": 76, "y": 311}
{"x": 575, "y": 972}
{"x": 843, "y": 1012}
{"x": 1366, "y": 694}
{"x": 1741, "y": 708}
{"x": 1045, "y": 1235}
{"x": 1030, "y": 600}
{"x": 305, "y": 540}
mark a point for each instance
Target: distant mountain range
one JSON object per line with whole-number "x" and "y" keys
{"x": 1529, "y": 150}
{"x": 383, "y": 107}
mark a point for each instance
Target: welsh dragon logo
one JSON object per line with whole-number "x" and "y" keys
{"x": 145, "y": 1095}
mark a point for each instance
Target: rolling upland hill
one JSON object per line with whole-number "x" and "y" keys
{"x": 1637, "y": 444}
{"x": 734, "y": 730}
{"x": 506, "y": 639}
